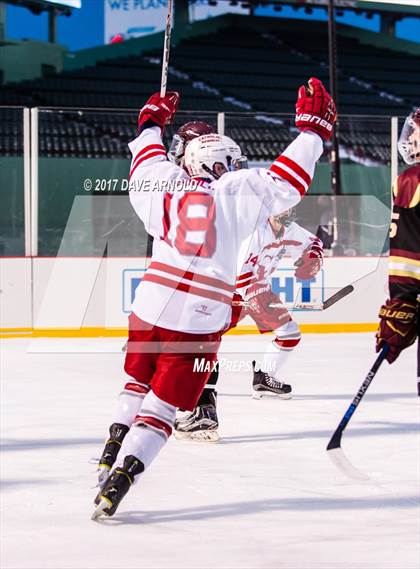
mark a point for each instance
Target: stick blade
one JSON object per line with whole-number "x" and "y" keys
{"x": 342, "y": 463}
{"x": 335, "y": 441}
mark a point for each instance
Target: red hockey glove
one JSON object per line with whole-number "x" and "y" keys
{"x": 159, "y": 110}
{"x": 397, "y": 327}
{"x": 310, "y": 262}
{"x": 315, "y": 109}
{"x": 260, "y": 297}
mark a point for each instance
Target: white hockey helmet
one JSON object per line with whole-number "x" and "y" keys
{"x": 409, "y": 141}
{"x": 204, "y": 152}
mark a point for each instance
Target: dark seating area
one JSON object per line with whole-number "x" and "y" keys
{"x": 230, "y": 70}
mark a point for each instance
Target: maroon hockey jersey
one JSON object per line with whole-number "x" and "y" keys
{"x": 404, "y": 259}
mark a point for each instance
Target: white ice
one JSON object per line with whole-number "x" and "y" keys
{"x": 266, "y": 496}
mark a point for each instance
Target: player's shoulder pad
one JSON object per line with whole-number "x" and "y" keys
{"x": 233, "y": 180}
{"x": 406, "y": 188}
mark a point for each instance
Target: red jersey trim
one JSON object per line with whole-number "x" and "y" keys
{"x": 296, "y": 168}
{"x": 141, "y": 159}
{"x": 244, "y": 284}
{"x": 289, "y": 178}
{"x": 403, "y": 280}
{"x": 244, "y": 276}
{"x": 217, "y": 283}
{"x": 404, "y": 253}
{"x": 147, "y": 148}
{"x": 184, "y": 287}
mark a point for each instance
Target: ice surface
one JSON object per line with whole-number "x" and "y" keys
{"x": 266, "y": 496}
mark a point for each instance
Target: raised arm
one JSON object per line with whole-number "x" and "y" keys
{"x": 315, "y": 118}
{"x": 151, "y": 174}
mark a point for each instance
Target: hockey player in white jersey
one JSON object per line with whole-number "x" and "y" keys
{"x": 278, "y": 237}
{"x": 184, "y": 300}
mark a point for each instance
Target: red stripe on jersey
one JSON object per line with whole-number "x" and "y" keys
{"x": 148, "y": 149}
{"x": 289, "y": 178}
{"x": 246, "y": 283}
{"x": 184, "y": 287}
{"x": 296, "y": 168}
{"x": 278, "y": 244}
{"x": 142, "y": 159}
{"x": 244, "y": 276}
{"x": 404, "y": 253}
{"x": 154, "y": 422}
{"x": 217, "y": 283}
{"x": 403, "y": 280}
{"x": 166, "y": 221}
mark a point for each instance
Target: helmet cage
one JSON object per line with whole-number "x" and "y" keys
{"x": 409, "y": 141}
{"x": 177, "y": 149}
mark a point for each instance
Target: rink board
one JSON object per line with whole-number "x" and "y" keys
{"x": 92, "y": 296}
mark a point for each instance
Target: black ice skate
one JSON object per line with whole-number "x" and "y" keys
{"x": 117, "y": 432}
{"x": 117, "y": 486}
{"x": 201, "y": 424}
{"x": 263, "y": 384}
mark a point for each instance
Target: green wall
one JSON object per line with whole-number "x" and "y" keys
{"x": 62, "y": 179}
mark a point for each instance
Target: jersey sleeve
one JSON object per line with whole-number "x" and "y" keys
{"x": 404, "y": 258}
{"x": 247, "y": 270}
{"x": 296, "y": 165}
{"x": 151, "y": 176}
{"x": 284, "y": 184}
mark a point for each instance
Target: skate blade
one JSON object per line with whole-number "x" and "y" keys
{"x": 261, "y": 394}
{"x": 99, "y": 511}
{"x": 103, "y": 475}
{"x": 210, "y": 436}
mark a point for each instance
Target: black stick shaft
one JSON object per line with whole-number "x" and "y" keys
{"x": 337, "y": 296}
{"x": 335, "y": 441}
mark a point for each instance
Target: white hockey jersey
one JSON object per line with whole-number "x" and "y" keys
{"x": 264, "y": 251}
{"x": 199, "y": 227}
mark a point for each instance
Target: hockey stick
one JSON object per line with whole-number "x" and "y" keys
{"x": 326, "y": 304}
{"x": 166, "y": 47}
{"x": 334, "y": 449}
{"x": 330, "y": 301}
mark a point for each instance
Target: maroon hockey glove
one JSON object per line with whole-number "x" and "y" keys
{"x": 397, "y": 327}
{"x": 315, "y": 109}
{"x": 159, "y": 110}
{"x": 310, "y": 262}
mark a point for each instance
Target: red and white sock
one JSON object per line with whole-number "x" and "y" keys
{"x": 278, "y": 351}
{"x": 130, "y": 402}
{"x": 150, "y": 430}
